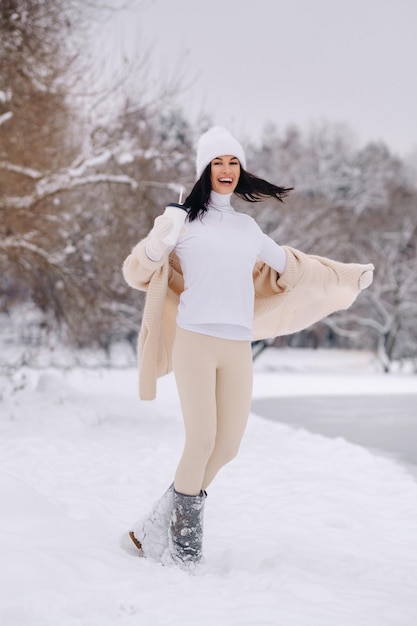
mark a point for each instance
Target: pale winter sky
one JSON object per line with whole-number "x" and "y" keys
{"x": 298, "y": 61}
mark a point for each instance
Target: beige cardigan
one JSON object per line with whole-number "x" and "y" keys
{"x": 310, "y": 288}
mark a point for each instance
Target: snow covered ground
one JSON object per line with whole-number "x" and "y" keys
{"x": 301, "y": 530}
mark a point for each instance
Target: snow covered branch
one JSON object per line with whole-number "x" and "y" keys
{"x": 94, "y": 161}
{"x": 338, "y": 330}
{"x": 14, "y": 242}
{"x": 5, "y": 117}
{"x": 47, "y": 187}
{"x": 20, "y": 169}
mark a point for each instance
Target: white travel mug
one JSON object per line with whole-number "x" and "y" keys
{"x": 177, "y": 213}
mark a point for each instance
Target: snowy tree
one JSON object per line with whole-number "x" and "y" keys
{"x": 76, "y": 190}
{"x": 353, "y": 204}
{"x": 160, "y": 162}
{"x": 35, "y": 139}
{"x": 392, "y": 241}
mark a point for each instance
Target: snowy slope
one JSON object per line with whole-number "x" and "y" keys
{"x": 300, "y": 530}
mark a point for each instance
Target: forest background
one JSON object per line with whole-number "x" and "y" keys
{"x": 84, "y": 170}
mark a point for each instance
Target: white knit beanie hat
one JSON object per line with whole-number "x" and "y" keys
{"x": 216, "y": 142}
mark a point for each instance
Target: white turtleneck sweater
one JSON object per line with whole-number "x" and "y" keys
{"x": 217, "y": 255}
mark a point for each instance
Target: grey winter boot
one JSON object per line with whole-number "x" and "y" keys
{"x": 186, "y": 528}
{"x": 150, "y": 534}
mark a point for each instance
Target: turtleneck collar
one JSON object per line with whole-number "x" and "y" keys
{"x": 220, "y": 200}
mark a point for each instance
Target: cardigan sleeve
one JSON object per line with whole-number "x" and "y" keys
{"x": 163, "y": 282}
{"x": 138, "y": 268}
{"x": 309, "y": 289}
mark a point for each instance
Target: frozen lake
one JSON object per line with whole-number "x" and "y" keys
{"x": 385, "y": 423}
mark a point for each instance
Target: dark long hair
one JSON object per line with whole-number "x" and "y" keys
{"x": 249, "y": 187}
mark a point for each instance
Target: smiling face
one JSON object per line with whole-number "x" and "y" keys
{"x": 225, "y": 172}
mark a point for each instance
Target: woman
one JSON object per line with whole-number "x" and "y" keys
{"x": 223, "y": 284}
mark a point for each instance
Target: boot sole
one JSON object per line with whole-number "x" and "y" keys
{"x": 136, "y": 542}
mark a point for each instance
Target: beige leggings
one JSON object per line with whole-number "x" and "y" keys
{"x": 214, "y": 381}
